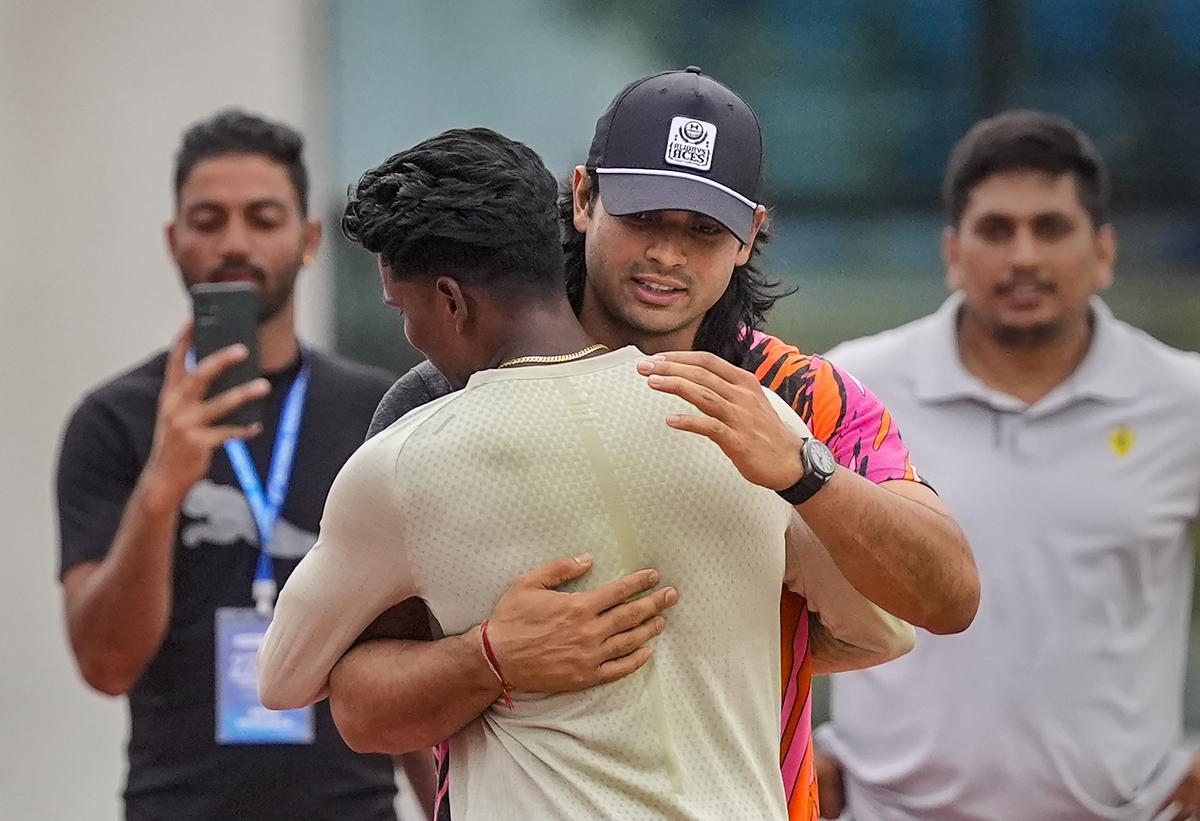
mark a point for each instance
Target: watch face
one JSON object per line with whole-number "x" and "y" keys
{"x": 820, "y": 458}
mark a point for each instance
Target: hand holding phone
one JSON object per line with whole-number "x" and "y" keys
{"x": 190, "y": 427}
{"x": 224, "y": 314}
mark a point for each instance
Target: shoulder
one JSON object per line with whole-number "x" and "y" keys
{"x": 409, "y": 427}
{"x": 1160, "y": 366}
{"x": 142, "y": 380}
{"x": 420, "y": 385}
{"x": 112, "y": 426}
{"x": 811, "y": 385}
{"x": 347, "y": 374}
{"x": 405, "y": 441}
{"x": 131, "y": 395}
{"x": 773, "y": 361}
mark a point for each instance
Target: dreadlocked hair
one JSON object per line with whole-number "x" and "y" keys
{"x": 726, "y": 328}
{"x": 469, "y": 203}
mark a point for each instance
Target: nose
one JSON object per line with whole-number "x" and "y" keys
{"x": 1025, "y": 253}
{"x": 666, "y": 250}
{"x": 235, "y": 240}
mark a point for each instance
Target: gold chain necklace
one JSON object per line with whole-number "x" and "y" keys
{"x": 537, "y": 359}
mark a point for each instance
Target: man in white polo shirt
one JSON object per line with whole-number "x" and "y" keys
{"x": 1065, "y": 442}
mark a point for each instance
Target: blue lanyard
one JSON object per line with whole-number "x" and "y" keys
{"x": 267, "y": 506}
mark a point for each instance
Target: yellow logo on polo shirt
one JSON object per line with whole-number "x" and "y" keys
{"x": 1121, "y": 439}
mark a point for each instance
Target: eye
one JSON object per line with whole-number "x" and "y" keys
{"x": 267, "y": 217}
{"x": 994, "y": 228}
{"x": 206, "y": 220}
{"x": 206, "y": 226}
{"x": 1051, "y": 227}
{"x": 708, "y": 229}
{"x": 641, "y": 218}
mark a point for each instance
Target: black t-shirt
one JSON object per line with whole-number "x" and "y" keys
{"x": 177, "y": 770}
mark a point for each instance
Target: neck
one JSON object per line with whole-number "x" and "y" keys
{"x": 615, "y": 333}
{"x": 541, "y": 330}
{"x": 278, "y": 346}
{"x": 1028, "y": 372}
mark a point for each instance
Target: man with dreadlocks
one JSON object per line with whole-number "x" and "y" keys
{"x": 661, "y": 230}
{"x": 552, "y": 438}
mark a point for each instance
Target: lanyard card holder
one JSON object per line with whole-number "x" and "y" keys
{"x": 241, "y": 718}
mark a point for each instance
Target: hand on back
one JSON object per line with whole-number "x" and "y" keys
{"x": 548, "y": 641}
{"x": 737, "y": 415}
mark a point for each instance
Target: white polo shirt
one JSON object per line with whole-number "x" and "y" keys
{"x": 1064, "y": 699}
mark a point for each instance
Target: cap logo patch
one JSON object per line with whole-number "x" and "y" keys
{"x": 690, "y": 143}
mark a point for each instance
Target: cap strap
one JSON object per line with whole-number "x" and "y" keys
{"x": 655, "y": 172}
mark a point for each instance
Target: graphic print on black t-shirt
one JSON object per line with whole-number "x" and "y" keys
{"x": 176, "y": 768}
{"x": 220, "y": 515}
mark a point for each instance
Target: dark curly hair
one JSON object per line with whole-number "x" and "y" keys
{"x": 1026, "y": 140}
{"x": 469, "y": 202}
{"x": 233, "y": 131}
{"x": 725, "y": 329}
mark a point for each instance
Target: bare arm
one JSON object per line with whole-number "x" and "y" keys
{"x": 396, "y": 696}
{"x": 414, "y": 705}
{"x": 117, "y": 609}
{"x": 899, "y": 546}
{"x": 400, "y": 696}
{"x": 895, "y": 542}
{"x": 358, "y": 570}
{"x": 846, "y": 631}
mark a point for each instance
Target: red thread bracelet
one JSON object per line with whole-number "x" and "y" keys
{"x": 490, "y": 657}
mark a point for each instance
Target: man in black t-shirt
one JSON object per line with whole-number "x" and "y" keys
{"x": 164, "y": 513}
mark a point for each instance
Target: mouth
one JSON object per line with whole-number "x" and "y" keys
{"x": 238, "y": 273}
{"x": 656, "y": 290}
{"x": 1025, "y": 295}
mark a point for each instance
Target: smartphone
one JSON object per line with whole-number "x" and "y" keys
{"x": 224, "y": 314}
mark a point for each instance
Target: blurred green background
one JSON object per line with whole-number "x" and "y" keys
{"x": 861, "y": 101}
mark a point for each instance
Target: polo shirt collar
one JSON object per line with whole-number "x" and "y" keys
{"x": 1105, "y": 374}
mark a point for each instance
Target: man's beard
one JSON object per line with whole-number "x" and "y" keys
{"x": 270, "y": 301}
{"x": 1027, "y": 336}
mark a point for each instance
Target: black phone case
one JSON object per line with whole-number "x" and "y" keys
{"x": 224, "y": 314}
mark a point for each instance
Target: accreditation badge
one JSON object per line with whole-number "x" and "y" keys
{"x": 241, "y": 718}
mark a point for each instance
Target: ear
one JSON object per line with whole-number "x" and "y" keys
{"x": 312, "y": 239}
{"x": 169, "y": 236}
{"x": 581, "y": 196}
{"x": 451, "y": 296}
{"x": 1106, "y": 252}
{"x": 760, "y": 217}
{"x": 950, "y": 258}
{"x": 383, "y": 276}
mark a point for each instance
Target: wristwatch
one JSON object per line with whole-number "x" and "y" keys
{"x": 819, "y": 466}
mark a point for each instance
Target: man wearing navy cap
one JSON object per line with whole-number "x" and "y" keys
{"x": 661, "y": 231}
{"x": 637, "y": 175}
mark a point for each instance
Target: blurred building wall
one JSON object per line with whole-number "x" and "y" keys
{"x": 94, "y": 99}
{"x": 539, "y": 71}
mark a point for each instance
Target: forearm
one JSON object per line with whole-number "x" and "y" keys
{"x": 832, "y": 654}
{"x": 908, "y": 558}
{"x": 394, "y": 696}
{"x": 118, "y": 610}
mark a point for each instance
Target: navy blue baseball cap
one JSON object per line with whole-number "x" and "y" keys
{"x": 680, "y": 141}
